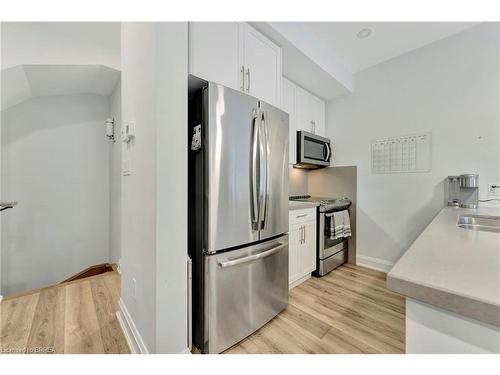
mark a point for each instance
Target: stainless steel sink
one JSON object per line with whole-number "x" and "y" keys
{"x": 480, "y": 222}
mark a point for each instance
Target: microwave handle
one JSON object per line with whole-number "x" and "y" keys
{"x": 328, "y": 151}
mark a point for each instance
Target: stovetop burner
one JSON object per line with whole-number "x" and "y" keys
{"x": 325, "y": 204}
{"x": 299, "y": 197}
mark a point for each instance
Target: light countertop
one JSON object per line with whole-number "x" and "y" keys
{"x": 453, "y": 268}
{"x": 296, "y": 205}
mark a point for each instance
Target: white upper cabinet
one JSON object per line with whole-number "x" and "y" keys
{"x": 306, "y": 111}
{"x": 310, "y": 111}
{"x": 303, "y": 110}
{"x": 288, "y": 105}
{"x": 237, "y": 56}
{"x": 318, "y": 115}
{"x": 262, "y": 62}
{"x": 214, "y": 52}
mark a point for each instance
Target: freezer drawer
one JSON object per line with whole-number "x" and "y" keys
{"x": 244, "y": 289}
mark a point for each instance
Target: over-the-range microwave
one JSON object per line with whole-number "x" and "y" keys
{"x": 313, "y": 151}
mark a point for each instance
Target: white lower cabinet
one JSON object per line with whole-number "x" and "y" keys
{"x": 302, "y": 245}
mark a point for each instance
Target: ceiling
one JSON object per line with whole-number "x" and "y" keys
{"x": 24, "y": 82}
{"x": 93, "y": 43}
{"x": 388, "y": 39}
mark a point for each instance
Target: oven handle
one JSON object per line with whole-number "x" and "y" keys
{"x": 229, "y": 263}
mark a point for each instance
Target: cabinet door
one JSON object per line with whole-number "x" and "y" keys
{"x": 308, "y": 249}
{"x": 310, "y": 112}
{"x": 288, "y": 105}
{"x": 214, "y": 53}
{"x": 318, "y": 115}
{"x": 293, "y": 253}
{"x": 303, "y": 110}
{"x": 262, "y": 66}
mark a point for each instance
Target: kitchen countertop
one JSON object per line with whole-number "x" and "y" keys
{"x": 453, "y": 268}
{"x": 296, "y": 205}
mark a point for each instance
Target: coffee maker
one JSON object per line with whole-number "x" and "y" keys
{"x": 463, "y": 191}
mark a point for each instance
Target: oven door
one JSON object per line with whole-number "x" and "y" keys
{"x": 327, "y": 246}
{"x": 313, "y": 150}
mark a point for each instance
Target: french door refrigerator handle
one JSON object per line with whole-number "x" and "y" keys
{"x": 229, "y": 263}
{"x": 265, "y": 149}
{"x": 253, "y": 173}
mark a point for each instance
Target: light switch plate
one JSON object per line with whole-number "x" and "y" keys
{"x": 126, "y": 165}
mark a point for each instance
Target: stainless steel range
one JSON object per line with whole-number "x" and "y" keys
{"x": 331, "y": 253}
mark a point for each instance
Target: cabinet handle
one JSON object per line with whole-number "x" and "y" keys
{"x": 304, "y": 234}
{"x": 242, "y": 78}
{"x": 303, "y": 215}
{"x": 248, "y": 79}
{"x": 312, "y": 126}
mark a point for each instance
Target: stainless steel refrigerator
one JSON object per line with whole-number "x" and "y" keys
{"x": 238, "y": 214}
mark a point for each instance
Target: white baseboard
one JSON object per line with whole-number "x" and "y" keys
{"x": 374, "y": 263}
{"x": 299, "y": 281}
{"x": 132, "y": 335}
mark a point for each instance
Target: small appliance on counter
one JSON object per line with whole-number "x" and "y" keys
{"x": 463, "y": 191}
{"x": 332, "y": 247}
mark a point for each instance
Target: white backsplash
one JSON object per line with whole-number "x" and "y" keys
{"x": 297, "y": 181}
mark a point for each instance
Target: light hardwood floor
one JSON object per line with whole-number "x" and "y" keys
{"x": 75, "y": 317}
{"x": 347, "y": 311}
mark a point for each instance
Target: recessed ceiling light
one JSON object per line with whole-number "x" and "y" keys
{"x": 364, "y": 33}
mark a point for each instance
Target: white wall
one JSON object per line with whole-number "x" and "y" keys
{"x": 171, "y": 169}
{"x": 115, "y": 155}
{"x": 95, "y": 43}
{"x": 450, "y": 88}
{"x": 138, "y": 260}
{"x": 1, "y": 195}
{"x": 55, "y": 163}
{"x": 154, "y": 232}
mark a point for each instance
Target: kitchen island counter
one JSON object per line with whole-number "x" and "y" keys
{"x": 453, "y": 268}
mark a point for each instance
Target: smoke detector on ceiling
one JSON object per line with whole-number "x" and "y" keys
{"x": 364, "y": 33}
